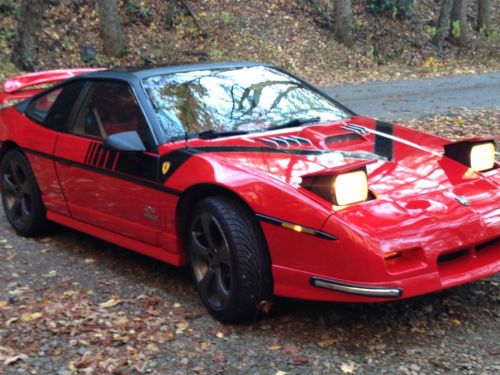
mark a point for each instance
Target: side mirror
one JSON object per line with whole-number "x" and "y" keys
{"x": 124, "y": 141}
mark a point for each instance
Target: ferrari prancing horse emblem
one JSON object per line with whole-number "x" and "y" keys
{"x": 165, "y": 167}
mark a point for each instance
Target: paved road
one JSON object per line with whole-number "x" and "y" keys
{"x": 403, "y": 100}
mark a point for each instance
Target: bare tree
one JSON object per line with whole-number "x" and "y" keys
{"x": 484, "y": 16}
{"x": 29, "y": 24}
{"x": 111, "y": 29}
{"x": 458, "y": 32}
{"x": 443, "y": 24}
{"x": 342, "y": 10}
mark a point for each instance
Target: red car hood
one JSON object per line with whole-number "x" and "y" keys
{"x": 404, "y": 162}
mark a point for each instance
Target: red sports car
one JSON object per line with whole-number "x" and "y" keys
{"x": 261, "y": 183}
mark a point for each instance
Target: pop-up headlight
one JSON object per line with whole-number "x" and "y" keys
{"x": 477, "y": 155}
{"x": 341, "y": 189}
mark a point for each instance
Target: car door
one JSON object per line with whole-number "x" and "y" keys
{"x": 106, "y": 188}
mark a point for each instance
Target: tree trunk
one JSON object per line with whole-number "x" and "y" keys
{"x": 29, "y": 24}
{"x": 458, "y": 33}
{"x": 484, "y": 16}
{"x": 343, "y": 21}
{"x": 111, "y": 29}
{"x": 443, "y": 24}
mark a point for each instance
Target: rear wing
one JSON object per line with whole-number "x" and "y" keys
{"x": 24, "y": 86}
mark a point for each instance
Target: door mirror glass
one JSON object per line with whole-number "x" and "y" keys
{"x": 125, "y": 142}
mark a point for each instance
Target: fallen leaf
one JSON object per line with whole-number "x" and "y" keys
{"x": 455, "y": 322}
{"x": 290, "y": 349}
{"x": 181, "y": 327}
{"x": 219, "y": 335}
{"x": 113, "y": 301}
{"x": 325, "y": 342}
{"x": 15, "y": 358}
{"x": 121, "y": 321}
{"x": 300, "y": 360}
{"x": 274, "y": 347}
{"x": 152, "y": 348}
{"x": 219, "y": 358}
{"x": 279, "y": 372}
{"x": 347, "y": 368}
{"x": 3, "y": 304}
{"x": 89, "y": 260}
{"x": 10, "y": 321}
{"x": 51, "y": 273}
{"x": 265, "y": 306}
{"x": 419, "y": 330}
{"x": 30, "y": 317}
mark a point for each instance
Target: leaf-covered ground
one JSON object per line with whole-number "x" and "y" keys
{"x": 72, "y": 304}
{"x": 291, "y": 34}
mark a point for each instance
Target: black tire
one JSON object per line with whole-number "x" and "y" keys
{"x": 230, "y": 265}
{"x": 21, "y": 198}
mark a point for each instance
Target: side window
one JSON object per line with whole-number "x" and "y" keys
{"x": 110, "y": 108}
{"x": 39, "y": 108}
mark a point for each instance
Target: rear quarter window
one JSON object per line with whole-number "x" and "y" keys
{"x": 39, "y": 108}
{"x": 54, "y": 108}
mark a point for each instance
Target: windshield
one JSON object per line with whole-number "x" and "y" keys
{"x": 229, "y": 100}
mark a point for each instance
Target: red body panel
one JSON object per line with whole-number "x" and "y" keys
{"x": 415, "y": 212}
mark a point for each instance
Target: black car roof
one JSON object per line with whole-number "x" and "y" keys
{"x": 152, "y": 70}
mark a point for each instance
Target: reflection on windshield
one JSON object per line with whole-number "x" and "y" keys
{"x": 234, "y": 99}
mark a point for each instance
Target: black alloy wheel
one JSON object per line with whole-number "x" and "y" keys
{"x": 20, "y": 195}
{"x": 229, "y": 259}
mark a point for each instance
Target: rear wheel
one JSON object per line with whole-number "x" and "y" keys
{"x": 20, "y": 195}
{"x": 229, "y": 260}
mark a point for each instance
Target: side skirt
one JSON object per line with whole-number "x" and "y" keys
{"x": 117, "y": 239}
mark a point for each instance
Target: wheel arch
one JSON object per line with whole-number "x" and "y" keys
{"x": 194, "y": 194}
{"x": 6, "y": 147}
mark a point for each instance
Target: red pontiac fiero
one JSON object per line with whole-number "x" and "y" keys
{"x": 261, "y": 183}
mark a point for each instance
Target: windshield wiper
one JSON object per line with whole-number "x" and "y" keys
{"x": 211, "y": 134}
{"x": 296, "y": 122}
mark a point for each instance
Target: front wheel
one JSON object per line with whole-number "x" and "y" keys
{"x": 20, "y": 195}
{"x": 229, "y": 260}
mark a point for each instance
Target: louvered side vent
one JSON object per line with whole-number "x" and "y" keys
{"x": 286, "y": 141}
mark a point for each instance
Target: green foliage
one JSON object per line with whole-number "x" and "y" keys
{"x": 432, "y": 31}
{"x": 226, "y": 18}
{"x": 137, "y": 13}
{"x": 7, "y": 7}
{"x": 492, "y": 33}
{"x": 455, "y": 29}
{"x": 397, "y": 8}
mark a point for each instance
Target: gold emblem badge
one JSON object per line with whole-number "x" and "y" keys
{"x": 165, "y": 167}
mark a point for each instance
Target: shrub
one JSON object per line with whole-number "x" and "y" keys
{"x": 398, "y": 8}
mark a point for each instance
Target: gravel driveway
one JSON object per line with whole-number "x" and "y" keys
{"x": 70, "y": 303}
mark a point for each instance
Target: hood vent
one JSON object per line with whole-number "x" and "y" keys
{"x": 286, "y": 141}
{"x": 348, "y": 138}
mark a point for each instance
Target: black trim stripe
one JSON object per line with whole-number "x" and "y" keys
{"x": 284, "y": 224}
{"x": 121, "y": 175}
{"x": 384, "y": 146}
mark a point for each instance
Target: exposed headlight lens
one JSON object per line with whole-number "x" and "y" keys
{"x": 351, "y": 187}
{"x": 482, "y": 157}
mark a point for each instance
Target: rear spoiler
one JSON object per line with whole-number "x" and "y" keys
{"x": 18, "y": 87}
